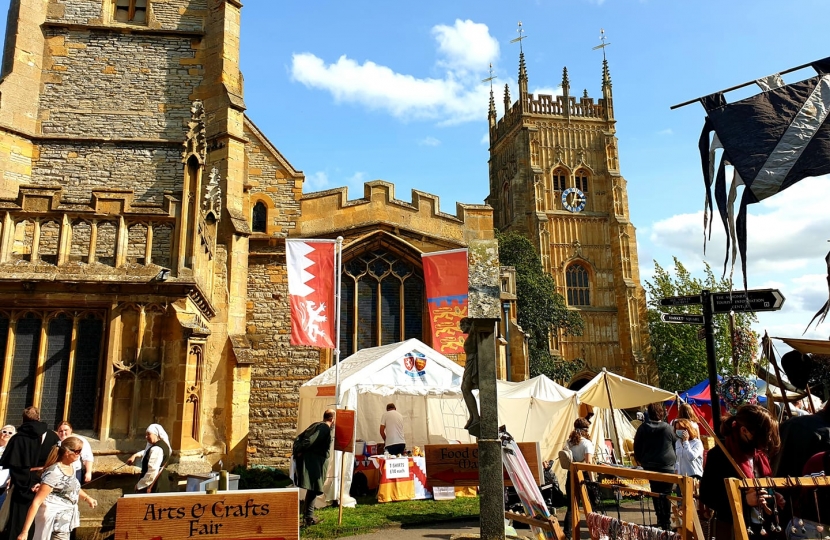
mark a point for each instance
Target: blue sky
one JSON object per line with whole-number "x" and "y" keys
{"x": 352, "y": 91}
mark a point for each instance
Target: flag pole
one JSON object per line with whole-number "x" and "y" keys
{"x": 796, "y": 68}
{"x": 338, "y": 260}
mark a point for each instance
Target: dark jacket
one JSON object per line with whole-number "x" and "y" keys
{"x": 802, "y": 437}
{"x": 312, "y": 458}
{"x": 654, "y": 447}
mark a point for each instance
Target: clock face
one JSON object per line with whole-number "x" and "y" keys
{"x": 573, "y": 200}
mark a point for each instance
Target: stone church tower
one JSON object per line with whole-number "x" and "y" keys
{"x": 555, "y": 178}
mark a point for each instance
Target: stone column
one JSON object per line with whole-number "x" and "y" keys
{"x": 484, "y": 314}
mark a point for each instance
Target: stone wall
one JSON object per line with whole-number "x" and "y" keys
{"x": 281, "y": 369}
{"x": 165, "y": 14}
{"x": 274, "y": 182}
{"x": 99, "y": 84}
{"x": 149, "y": 169}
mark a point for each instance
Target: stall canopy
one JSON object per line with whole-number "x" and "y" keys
{"x": 624, "y": 393}
{"x": 611, "y": 391}
{"x": 423, "y": 384}
{"x": 538, "y": 409}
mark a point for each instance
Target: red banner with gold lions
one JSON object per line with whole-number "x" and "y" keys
{"x": 446, "y": 278}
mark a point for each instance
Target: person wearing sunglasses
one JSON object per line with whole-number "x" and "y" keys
{"x": 54, "y": 511}
{"x": 83, "y": 466}
{"x": 6, "y": 434}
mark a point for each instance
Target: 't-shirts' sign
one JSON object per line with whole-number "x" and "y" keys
{"x": 397, "y": 468}
{"x": 266, "y": 514}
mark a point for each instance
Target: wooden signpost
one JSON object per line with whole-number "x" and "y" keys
{"x": 256, "y": 514}
{"x": 722, "y": 302}
{"x": 457, "y": 464}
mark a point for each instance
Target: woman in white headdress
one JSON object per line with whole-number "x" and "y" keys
{"x": 154, "y": 458}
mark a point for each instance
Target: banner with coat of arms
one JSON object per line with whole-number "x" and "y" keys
{"x": 446, "y": 277}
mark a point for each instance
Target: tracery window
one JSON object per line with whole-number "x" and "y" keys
{"x": 52, "y": 360}
{"x": 382, "y": 301}
{"x": 259, "y": 216}
{"x": 578, "y": 284}
{"x": 581, "y": 181}
{"x": 131, "y": 11}
{"x": 559, "y": 180}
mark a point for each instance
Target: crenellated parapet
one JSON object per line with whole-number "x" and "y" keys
{"x": 326, "y": 212}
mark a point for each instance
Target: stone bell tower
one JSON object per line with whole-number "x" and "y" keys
{"x": 555, "y": 178}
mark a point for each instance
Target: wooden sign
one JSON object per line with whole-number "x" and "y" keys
{"x": 266, "y": 514}
{"x": 457, "y": 464}
{"x": 344, "y": 431}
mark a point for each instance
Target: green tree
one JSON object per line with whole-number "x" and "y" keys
{"x": 680, "y": 349}
{"x": 540, "y": 307}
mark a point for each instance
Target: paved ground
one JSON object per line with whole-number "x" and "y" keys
{"x": 630, "y": 512}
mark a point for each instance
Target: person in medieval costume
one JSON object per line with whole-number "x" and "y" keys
{"x": 311, "y": 454}
{"x": 154, "y": 459}
{"x": 25, "y": 455}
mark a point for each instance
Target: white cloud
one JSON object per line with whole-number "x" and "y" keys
{"x": 787, "y": 232}
{"x": 355, "y": 184}
{"x": 316, "y": 182}
{"x": 429, "y": 141}
{"x": 667, "y": 131}
{"x": 547, "y": 91}
{"x": 466, "y": 50}
{"x": 466, "y": 46}
{"x": 485, "y": 139}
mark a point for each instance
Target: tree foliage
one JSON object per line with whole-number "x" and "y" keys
{"x": 680, "y": 349}
{"x": 540, "y": 307}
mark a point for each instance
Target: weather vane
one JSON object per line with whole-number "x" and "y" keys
{"x": 603, "y": 44}
{"x": 521, "y": 32}
{"x": 491, "y": 77}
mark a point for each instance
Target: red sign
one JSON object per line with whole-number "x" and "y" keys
{"x": 344, "y": 431}
{"x": 446, "y": 278}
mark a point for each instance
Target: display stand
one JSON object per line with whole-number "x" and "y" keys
{"x": 690, "y": 526}
{"x": 734, "y": 486}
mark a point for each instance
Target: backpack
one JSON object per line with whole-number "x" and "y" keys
{"x": 565, "y": 458}
{"x": 303, "y": 441}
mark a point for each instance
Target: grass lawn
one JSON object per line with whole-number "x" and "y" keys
{"x": 369, "y": 516}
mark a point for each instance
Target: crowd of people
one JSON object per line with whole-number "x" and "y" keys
{"x": 753, "y": 446}
{"x": 44, "y": 471}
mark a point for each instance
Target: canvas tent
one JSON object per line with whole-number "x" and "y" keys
{"x": 423, "y": 384}
{"x": 608, "y": 391}
{"x": 540, "y": 410}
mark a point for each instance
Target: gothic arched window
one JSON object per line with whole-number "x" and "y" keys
{"x": 559, "y": 177}
{"x": 382, "y": 301}
{"x": 578, "y": 284}
{"x": 581, "y": 181}
{"x": 259, "y": 217}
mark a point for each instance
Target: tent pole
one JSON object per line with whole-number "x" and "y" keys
{"x": 613, "y": 417}
{"x": 767, "y": 348}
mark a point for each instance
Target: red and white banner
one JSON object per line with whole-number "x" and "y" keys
{"x": 446, "y": 278}
{"x": 311, "y": 289}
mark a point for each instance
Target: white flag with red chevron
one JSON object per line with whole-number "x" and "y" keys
{"x": 310, "y": 265}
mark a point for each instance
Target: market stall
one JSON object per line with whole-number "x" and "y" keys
{"x": 424, "y": 385}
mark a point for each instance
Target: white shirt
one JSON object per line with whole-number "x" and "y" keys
{"x": 154, "y": 463}
{"x": 393, "y": 421}
{"x": 581, "y": 449}
{"x": 689, "y": 457}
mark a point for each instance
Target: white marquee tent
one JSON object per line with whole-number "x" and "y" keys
{"x": 423, "y": 384}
